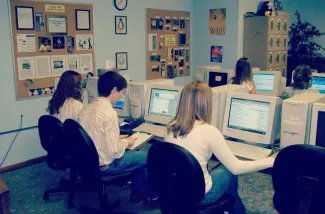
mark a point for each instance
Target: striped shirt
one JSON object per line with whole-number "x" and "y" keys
{"x": 100, "y": 121}
{"x": 69, "y": 110}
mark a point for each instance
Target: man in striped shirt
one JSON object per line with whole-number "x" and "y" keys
{"x": 100, "y": 121}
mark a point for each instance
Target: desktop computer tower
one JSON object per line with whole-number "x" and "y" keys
{"x": 201, "y": 72}
{"x": 296, "y": 118}
{"x": 137, "y": 96}
{"x": 219, "y": 102}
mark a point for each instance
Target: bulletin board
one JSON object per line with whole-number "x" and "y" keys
{"x": 168, "y": 43}
{"x": 49, "y": 38}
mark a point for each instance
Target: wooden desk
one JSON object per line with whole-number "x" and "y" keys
{"x": 4, "y": 198}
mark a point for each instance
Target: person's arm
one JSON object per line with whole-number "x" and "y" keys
{"x": 251, "y": 87}
{"x": 220, "y": 149}
{"x": 77, "y": 106}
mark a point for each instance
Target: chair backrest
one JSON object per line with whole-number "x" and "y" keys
{"x": 84, "y": 155}
{"x": 176, "y": 175}
{"x": 53, "y": 141}
{"x": 299, "y": 180}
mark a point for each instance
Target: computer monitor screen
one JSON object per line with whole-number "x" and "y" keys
{"x": 264, "y": 82}
{"x": 252, "y": 118}
{"x": 119, "y": 104}
{"x": 163, "y": 102}
{"x": 318, "y": 82}
{"x": 249, "y": 115}
{"x": 320, "y": 133}
{"x": 219, "y": 77}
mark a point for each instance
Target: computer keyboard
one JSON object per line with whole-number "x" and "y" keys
{"x": 140, "y": 139}
{"x": 156, "y": 130}
{"x": 248, "y": 151}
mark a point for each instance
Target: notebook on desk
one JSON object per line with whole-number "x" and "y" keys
{"x": 141, "y": 138}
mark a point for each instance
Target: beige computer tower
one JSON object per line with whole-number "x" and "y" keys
{"x": 266, "y": 42}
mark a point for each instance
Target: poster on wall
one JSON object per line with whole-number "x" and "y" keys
{"x": 217, "y": 22}
{"x": 216, "y": 53}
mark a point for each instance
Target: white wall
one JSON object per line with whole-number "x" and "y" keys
{"x": 27, "y": 145}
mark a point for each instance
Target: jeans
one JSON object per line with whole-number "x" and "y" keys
{"x": 223, "y": 182}
{"x": 136, "y": 162}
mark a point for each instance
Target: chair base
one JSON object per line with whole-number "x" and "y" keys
{"x": 65, "y": 186}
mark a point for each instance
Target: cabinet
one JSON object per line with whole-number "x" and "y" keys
{"x": 266, "y": 42}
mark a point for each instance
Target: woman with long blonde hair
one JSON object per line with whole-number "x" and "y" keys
{"x": 191, "y": 129}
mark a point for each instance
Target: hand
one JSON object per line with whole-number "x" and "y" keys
{"x": 274, "y": 155}
{"x": 130, "y": 140}
{"x": 122, "y": 136}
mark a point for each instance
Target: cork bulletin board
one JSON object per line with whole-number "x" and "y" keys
{"x": 49, "y": 38}
{"x": 168, "y": 43}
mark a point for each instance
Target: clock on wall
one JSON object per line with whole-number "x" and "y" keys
{"x": 120, "y": 4}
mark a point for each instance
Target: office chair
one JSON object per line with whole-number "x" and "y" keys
{"x": 85, "y": 162}
{"x": 299, "y": 180}
{"x": 176, "y": 175}
{"x": 58, "y": 158}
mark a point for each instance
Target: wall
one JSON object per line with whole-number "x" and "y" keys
{"x": 232, "y": 42}
{"x": 27, "y": 145}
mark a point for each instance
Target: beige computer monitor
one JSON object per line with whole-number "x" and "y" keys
{"x": 252, "y": 118}
{"x": 267, "y": 83}
{"x": 162, "y": 103}
{"x": 317, "y": 127}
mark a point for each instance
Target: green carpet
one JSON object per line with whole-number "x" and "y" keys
{"x": 27, "y": 186}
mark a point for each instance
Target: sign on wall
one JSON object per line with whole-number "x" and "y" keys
{"x": 217, "y": 22}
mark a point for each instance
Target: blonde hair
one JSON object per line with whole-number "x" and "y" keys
{"x": 195, "y": 104}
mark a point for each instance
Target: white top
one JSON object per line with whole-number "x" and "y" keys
{"x": 100, "y": 121}
{"x": 69, "y": 110}
{"x": 205, "y": 139}
{"x": 250, "y": 85}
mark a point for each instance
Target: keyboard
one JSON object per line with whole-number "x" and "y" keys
{"x": 248, "y": 151}
{"x": 140, "y": 139}
{"x": 156, "y": 130}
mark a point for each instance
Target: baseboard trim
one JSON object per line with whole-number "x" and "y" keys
{"x": 23, "y": 164}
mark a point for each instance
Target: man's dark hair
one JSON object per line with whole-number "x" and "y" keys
{"x": 108, "y": 81}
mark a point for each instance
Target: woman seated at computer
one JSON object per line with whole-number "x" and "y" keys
{"x": 244, "y": 75}
{"x": 66, "y": 102}
{"x": 302, "y": 76}
{"x": 191, "y": 129}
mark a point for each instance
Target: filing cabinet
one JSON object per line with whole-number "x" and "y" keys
{"x": 266, "y": 41}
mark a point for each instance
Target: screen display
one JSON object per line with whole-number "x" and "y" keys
{"x": 218, "y": 79}
{"x": 119, "y": 104}
{"x": 249, "y": 115}
{"x": 163, "y": 102}
{"x": 320, "y": 133}
{"x": 318, "y": 82}
{"x": 264, "y": 82}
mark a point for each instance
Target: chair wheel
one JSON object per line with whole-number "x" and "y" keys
{"x": 46, "y": 197}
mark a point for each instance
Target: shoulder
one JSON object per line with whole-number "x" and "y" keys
{"x": 208, "y": 130}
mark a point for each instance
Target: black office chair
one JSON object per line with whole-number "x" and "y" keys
{"x": 176, "y": 175}
{"x": 299, "y": 180}
{"x": 86, "y": 164}
{"x": 58, "y": 151}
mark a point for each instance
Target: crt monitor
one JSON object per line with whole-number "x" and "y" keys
{"x": 267, "y": 82}
{"x": 162, "y": 103}
{"x": 252, "y": 118}
{"x": 317, "y": 130}
{"x": 219, "y": 77}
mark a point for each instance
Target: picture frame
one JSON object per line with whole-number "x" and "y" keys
{"x": 23, "y": 13}
{"x": 56, "y": 25}
{"x": 121, "y": 60}
{"x": 82, "y": 18}
{"x": 121, "y": 25}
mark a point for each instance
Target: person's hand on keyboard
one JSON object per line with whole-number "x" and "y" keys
{"x": 122, "y": 136}
{"x": 130, "y": 140}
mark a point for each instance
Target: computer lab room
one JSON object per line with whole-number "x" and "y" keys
{"x": 172, "y": 107}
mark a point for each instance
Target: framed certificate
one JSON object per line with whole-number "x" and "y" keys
{"x": 24, "y": 18}
{"x": 57, "y": 25}
{"x": 82, "y": 19}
